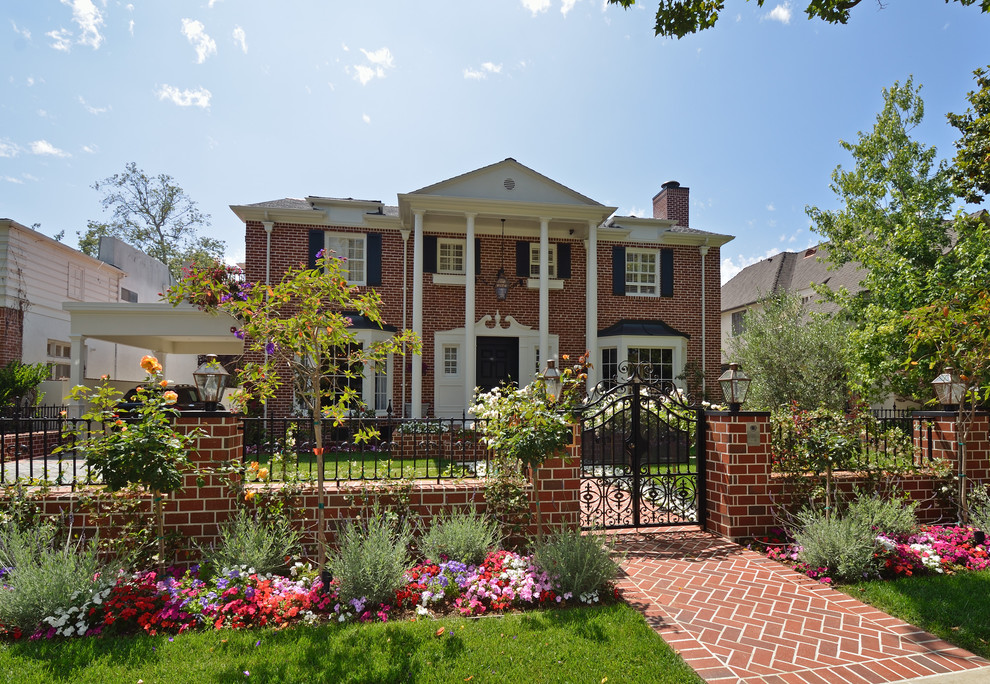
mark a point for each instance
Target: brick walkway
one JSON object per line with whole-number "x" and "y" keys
{"x": 735, "y": 616}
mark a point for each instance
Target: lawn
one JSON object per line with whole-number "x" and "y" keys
{"x": 584, "y": 644}
{"x": 953, "y": 607}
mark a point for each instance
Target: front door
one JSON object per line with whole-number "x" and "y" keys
{"x": 498, "y": 361}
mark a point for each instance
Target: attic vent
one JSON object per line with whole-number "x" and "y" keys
{"x": 509, "y": 184}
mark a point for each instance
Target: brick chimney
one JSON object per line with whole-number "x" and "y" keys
{"x": 672, "y": 203}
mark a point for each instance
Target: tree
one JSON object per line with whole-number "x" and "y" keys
{"x": 303, "y": 324}
{"x": 677, "y": 18}
{"x": 892, "y": 222}
{"x": 971, "y": 174}
{"x": 154, "y": 215}
{"x": 791, "y": 356}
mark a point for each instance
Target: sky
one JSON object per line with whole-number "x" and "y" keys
{"x": 244, "y": 101}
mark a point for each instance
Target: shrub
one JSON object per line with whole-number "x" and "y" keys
{"x": 466, "y": 537}
{"x": 247, "y": 540}
{"x": 579, "y": 564}
{"x": 371, "y": 559}
{"x": 845, "y": 546}
{"x": 891, "y": 517}
{"x": 42, "y": 574}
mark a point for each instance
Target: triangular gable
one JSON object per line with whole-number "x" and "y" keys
{"x": 507, "y": 180}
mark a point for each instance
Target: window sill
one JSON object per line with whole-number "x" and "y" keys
{"x": 555, "y": 283}
{"x": 449, "y": 279}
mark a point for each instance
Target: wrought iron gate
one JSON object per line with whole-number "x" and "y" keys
{"x": 642, "y": 456}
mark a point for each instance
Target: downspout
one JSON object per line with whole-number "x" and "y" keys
{"x": 269, "y": 226}
{"x": 405, "y": 289}
{"x": 703, "y": 249}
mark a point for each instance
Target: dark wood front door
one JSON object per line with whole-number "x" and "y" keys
{"x": 498, "y": 361}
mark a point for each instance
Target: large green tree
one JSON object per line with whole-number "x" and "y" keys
{"x": 155, "y": 215}
{"x": 678, "y": 18}
{"x": 791, "y": 355}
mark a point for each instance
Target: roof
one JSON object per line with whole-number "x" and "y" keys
{"x": 789, "y": 272}
{"x": 630, "y": 326}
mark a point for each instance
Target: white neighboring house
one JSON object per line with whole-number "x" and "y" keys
{"x": 39, "y": 275}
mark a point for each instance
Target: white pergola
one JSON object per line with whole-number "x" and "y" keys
{"x": 158, "y": 326}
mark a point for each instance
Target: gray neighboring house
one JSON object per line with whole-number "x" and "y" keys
{"x": 796, "y": 272}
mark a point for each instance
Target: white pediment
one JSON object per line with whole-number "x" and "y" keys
{"x": 507, "y": 180}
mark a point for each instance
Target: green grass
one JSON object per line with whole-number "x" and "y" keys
{"x": 953, "y": 607}
{"x": 576, "y": 645}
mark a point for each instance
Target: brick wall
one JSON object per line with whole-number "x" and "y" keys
{"x": 11, "y": 334}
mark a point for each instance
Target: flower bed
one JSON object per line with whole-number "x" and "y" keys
{"x": 240, "y": 598}
{"x": 933, "y": 549}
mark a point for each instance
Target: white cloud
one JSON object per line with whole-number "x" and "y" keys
{"x": 536, "y": 6}
{"x": 380, "y": 59}
{"x": 11, "y": 179}
{"x": 45, "y": 148}
{"x": 770, "y": 207}
{"x": 781, "y": 13}
{"x": 88, "y": 19}
{"x": 90, "y": 149}
{"x": 185, "y": 98}
{"x": 8, "y": 148}
{"x": 91, "y": 109}
{"x": 365, "y": 118}
{"x": 240, "y": 38}
{"x": 195, "y": 32}
{"x": 566, "y": 6}
{"x": 21, "y": 32}
{"x": 61, "y": 39}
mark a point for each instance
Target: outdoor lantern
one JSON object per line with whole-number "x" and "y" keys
{"x": 551, "y": 378}
{"x": 949, "y": 388}
{"x": 735, "y": 385}
{"x": 211, "y": 380}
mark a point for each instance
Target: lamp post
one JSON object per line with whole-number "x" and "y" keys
{"x": 211, "y": 380}
{"x": 951, "y": 392}
{"x": 735, "y": 385}
{"x": 552, "y": 381}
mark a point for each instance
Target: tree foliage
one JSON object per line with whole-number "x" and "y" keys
{"x": 891, "y": 221}
{"x": 155, "y": 215}
{"x": 792, "y": 357}
{"x": 678, "y": 18}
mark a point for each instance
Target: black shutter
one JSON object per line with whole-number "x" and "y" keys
{"x": 316, "y": 243}
{"x": 618, "y": 270}
{"x": 477, "y": 256}
{"x": 429, "y": 254}
{"x": 564, "y": 260}
{"x": 374, "y": 258}
{"x": 666, "y": 273}
{"x": 522, "y": 259}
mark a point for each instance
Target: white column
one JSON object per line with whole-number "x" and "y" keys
{"x": 470, "y": 343}
{"x": 591, "y": 303}
{"x": 544, "y": 292}
{"x": 77, "y": 371}
{"x": 417, "y": 314}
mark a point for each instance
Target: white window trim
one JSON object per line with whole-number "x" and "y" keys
{"x": 656, "y": 273}
{"x": 328, "y": 236}
{"x": 453, "y": 242}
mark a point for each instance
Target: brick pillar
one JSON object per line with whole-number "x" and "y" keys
{"x": 738, "y": 475}
{"x": 197, "y": 511}
{"x": 559, "y": 486}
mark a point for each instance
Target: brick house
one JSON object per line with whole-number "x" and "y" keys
{"x": 644, "y": 289}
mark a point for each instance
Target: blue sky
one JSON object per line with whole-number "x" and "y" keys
{"x": 246, "y": 101}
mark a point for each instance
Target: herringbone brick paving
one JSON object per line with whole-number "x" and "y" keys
{"x": 736, "y": 616}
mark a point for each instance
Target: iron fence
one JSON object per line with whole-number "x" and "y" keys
{"x": 27, "y": 446}
{"x": 281, "y": 449}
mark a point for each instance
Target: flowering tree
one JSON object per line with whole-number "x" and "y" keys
{"x": 303, "y": 324}
{"x": 141, "y": 448}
